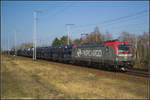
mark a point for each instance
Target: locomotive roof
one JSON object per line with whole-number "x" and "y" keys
{"x": 68, "y": 46}
{"x": 117, "y": 43}
{"x": 102, "y": 44}
{"x": 91, "y": 45}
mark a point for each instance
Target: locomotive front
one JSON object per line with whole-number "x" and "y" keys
{"x": 124, "y": 55}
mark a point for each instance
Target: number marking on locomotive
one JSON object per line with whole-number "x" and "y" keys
{"x": 95, "y": 53}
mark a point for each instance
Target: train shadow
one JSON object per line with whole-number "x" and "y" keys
{"x": 92, "y": 66}
{"x": 85, "y": 65}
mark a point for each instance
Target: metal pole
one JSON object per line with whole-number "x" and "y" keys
{"x": 68, "y": 33}
{"x": 5, "y": 37}
{"x": 8, "y": 44}
{"x": 136, "y": 47}
{"x": 34, "y": 36}
{"x": 33, "y": 33}
{"x": 82, "y": 35}
{"x": 67, "y": 26}
{"x": 15, "y": 43}
{"x": 24, "y": 44}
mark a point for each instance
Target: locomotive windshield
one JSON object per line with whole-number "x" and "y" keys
{"x": 124, "y": 48}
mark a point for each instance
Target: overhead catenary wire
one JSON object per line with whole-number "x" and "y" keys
{"x": 105, "y": 22}
{"x": 115, "y": 19}
{"x": 114, "y": 22}
{"x": 67, "y": 8}
{"x": 118, "y": 27}
{"x": 59, "y": 11}
{"x": 62, "y": 10}
{"x": 124, "y": 21}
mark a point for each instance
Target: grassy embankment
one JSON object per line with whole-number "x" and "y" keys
{"x": 24, "y": 78}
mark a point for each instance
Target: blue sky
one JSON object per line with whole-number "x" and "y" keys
{"x": 112, "y": 16}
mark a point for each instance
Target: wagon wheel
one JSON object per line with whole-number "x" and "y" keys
{"x": 116, "y": 68}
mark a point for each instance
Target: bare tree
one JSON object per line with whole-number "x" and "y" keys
{"x": 127, "y": 37}
{"x": 26, "y": 45}
{"x": 131, "y": 38}
{"x": 93, "y": 37}
{"x": 140, "y": 44}
{"x": 143, "y": 46}
{"x": 106, "y": 36}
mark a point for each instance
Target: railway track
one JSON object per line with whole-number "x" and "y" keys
{"x": 130, "y": 72}
{"x": 130, "y": 75}
{"x": 136, "y": 72}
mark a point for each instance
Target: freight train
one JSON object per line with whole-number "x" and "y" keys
{"x": 111, "y": 54}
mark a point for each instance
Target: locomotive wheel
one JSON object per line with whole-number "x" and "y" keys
{"x": 123, "y": 69}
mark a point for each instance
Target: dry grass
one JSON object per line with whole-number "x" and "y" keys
{"x": 24, "y": 78}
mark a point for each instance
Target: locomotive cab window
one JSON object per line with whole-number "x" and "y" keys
{"x": 124, "y": 48}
